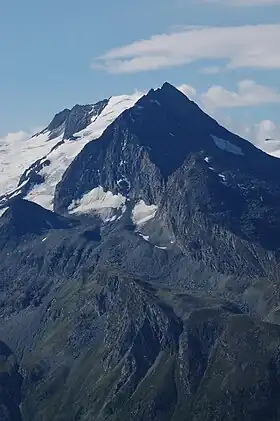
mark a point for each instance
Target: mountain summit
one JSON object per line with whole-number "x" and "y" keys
{"x": 184, "y": 128}
{"x": 139, "y": 276}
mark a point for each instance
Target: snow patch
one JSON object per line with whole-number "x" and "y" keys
{"x": 14, "y": 193}
{"x": 40, "y": 195}
{"x": 122, "y": 212}
{"x": 222, "y": 176}
{"x": 100, "y": 202}
{"x": 111, "y": 218}
{"x": 116, "y": 106}
{"x": 16, "y": 156}
{"x": 207, "y": 159}
{"x": 2, "y": 211}
{"x": 156, "y": 102}
{"x": 161, "y": 248}
{"x": 225, "y": 145}
{"x": 44, "y": 239}
{"x": 145, "y": 237}
{"x": 142, "y": 213}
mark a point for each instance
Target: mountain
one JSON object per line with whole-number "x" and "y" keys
{"x": 33, "y": 168}
{"x": 10, "y": 386}
{"x": 25, "y": 218}
{"x": 148, "y": 286}
{"x": 189, "y": 163}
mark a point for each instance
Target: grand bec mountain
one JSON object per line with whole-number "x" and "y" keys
{"x": 140, "y": 251}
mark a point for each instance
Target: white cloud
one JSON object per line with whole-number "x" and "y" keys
{"x": 245, "y": 2}
{"x": 252, "y": 46}
{"x": 264, "y": 134}
{"x": 14, "y": 137}
{"x": 267, "y": 130}
{"x": 248, "y": 93}
{"x": 188, "y": 90}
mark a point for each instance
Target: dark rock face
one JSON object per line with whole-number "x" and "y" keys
{"x": 95, "y": 342}
{"x": 206, "y": 193}
{"x": 25, "y": 218}
{"x": 80, "y": 117}
{"x": 110, "y": 326}
{"x": 10, "y": 386}
{"x": 139, "y": 149}
{"x": 57, "y": 125}
{"x": 68, "y": 122}
{"x": 235, "y": 385}
{"x": 65, "y": 124}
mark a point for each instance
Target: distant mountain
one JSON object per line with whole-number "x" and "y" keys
{"x": 33, "y": 168}
{"x": 147, "y": 286}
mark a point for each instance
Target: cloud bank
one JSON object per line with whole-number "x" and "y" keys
{"x": 250, "y": 46}
{"x": 248, "y": 93}
{"x": 245, "y": 2}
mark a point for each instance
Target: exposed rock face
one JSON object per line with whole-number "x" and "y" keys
{"x": 242, "y": 378}
{"x": 80, "y": 117}
{"x": 57, "y": 125}
{"x": 25, "y": 218}
{"x": 164, "y": 320}
{"x": 64, "y": 127}
{"x": 216, "y": 193}
{"x": 10, "y": 386}
{"x": 68, "y": 122}
{"x": 138, "y": 148}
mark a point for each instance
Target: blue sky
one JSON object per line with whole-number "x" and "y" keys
{"x": 58, "y": 53}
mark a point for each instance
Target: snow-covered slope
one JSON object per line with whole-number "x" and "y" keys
{"x": 54, "y": 152}
{"x": 17, "y": 155}
{"x": 105, "y": 204}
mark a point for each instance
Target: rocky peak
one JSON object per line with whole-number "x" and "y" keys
{"x": 24, "y": 217}
{"x": 80, "y": 117}
{"x": 58, "y": 120}
{"x": 57, "y": 125}
{"x": 170, "y": 95}
{"x": 149, "y": 142}
{"x": 140, "y": 316}
{"x": 70, "y": 121}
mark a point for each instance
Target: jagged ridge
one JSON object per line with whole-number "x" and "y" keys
{"x": 109, "y": 325}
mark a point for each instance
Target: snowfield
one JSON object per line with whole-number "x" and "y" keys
{"x": 99, "y": 202}
{"x": 16, "y": 157}
{"x": 142, "y": 213}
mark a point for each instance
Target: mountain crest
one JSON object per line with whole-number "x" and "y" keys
{"x": 58, "y": 120}
{"x": 24, "y": 217}
{"x": 149, "y": 303}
